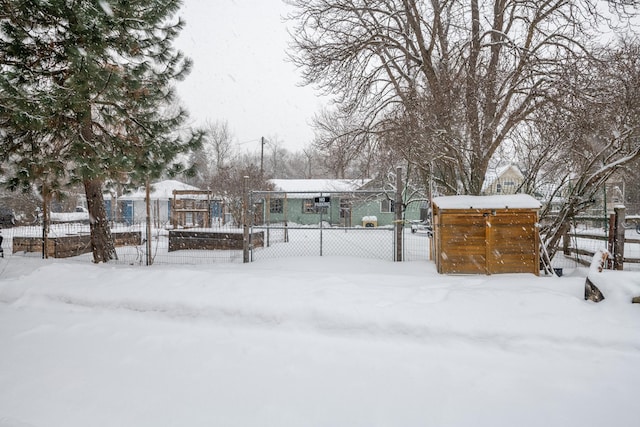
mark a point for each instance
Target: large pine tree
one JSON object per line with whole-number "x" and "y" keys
{"x": 92, "y": 78}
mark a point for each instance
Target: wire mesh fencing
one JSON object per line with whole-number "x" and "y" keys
{"x": 361, "y": 242}
{"x": 354, "y": 223}
{"x": 135, "y": 244}
{"x": 220, "y": 244}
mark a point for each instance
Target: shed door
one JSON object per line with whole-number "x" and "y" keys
{"x": 512, "y": 243}
{"x": 462, "y": 243}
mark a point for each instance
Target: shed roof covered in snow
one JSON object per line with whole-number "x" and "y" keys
{"x": 317, "y": 185}
{"x": 510, "y": 201}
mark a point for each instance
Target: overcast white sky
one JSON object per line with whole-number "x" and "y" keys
{"x": 241, "y": 74}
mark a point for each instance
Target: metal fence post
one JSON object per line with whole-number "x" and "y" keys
{"x": 245, "y": 220}
{"x": 399, "y": 226}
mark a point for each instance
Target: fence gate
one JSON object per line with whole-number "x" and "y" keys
{"x": 618, "y": 233}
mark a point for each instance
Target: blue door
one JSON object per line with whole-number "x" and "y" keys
{"x": 127, "y": 211}
{"x": 107, "y": 207}
{"x": 216, "y": 212}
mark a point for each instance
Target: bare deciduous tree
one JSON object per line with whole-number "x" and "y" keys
{"x": 451, "y": 79}
{"x": 341, "y": 140}
{"x": 593, "y": 134}
{"x": 219, "y": 143}
{"x": 214, "y": 155}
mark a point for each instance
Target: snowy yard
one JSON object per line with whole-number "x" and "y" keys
{"x": 328, "y": 341}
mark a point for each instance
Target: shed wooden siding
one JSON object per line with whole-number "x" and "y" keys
{"x": 479, "y": 241}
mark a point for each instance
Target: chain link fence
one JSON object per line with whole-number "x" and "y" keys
{"x": 71, "y": 242}
{"x": 353, "y": 224}
{"x": 134, "y": 244}
{"x": 376, "y": 243}
{"x": 356, "y": 224}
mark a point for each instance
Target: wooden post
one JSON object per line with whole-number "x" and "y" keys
{"x": 618, "y": 242}
{"x": 611, "y": 236}
{"x": 174, "y": 219}
{"x": 398, "y": 214}
{"x": 566, "y": 240}
{"x": 591, "y": 291}
{"x": 245, "y": 220}
{"x": 45, "y": 221}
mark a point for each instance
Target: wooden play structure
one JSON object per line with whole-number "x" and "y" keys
{"x": 486, "y": 234}
{"x": 191, "y": 208}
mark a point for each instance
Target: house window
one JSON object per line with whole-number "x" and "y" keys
{"x": 275, "y": 206}
{"x": 509, "y": 183}
{"x": 308, "y": 206}
{"x": 498, "y": 188}
{"x": 386, "y": 206}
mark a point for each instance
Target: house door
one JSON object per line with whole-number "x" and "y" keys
{"x": 345, "y": 212}
{"x": 216, "y": 212}
{"x": 107, "y": 208}
{"x": 461, "y": 244}
{"x": 127, "y": 211}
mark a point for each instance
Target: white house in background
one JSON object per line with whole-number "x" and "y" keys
{"x": 131, "y": 208}
{"x": 503, "y": 180}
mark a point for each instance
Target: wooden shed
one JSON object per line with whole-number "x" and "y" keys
{"x": 486, "y": 234}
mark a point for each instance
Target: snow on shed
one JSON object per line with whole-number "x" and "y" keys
{"x": 486, "y": 234}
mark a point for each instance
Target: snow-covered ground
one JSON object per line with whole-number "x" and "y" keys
{"x": 312, "y": 341}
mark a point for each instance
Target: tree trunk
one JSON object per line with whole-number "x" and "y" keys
{"x": 101, "y": 240}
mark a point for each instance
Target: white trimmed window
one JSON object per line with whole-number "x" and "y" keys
{"x": 275, "y": 206}
{"x": 386, "y": 206}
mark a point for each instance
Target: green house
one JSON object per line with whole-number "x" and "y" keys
{"x": 337, "y": 202}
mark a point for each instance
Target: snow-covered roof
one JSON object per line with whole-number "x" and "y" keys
{"x": 317, "y": 185}
{"x": 510, "y": 201}
{"x": 494, "y": 175}
{"x": 68, "y": 216}
{"x": 162, "y": 190}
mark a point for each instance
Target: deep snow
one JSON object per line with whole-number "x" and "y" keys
{"x": 312, "y": 342}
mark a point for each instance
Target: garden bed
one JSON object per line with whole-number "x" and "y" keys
{"x": 211, "y": 240}
{"x": 73, "y": 244}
